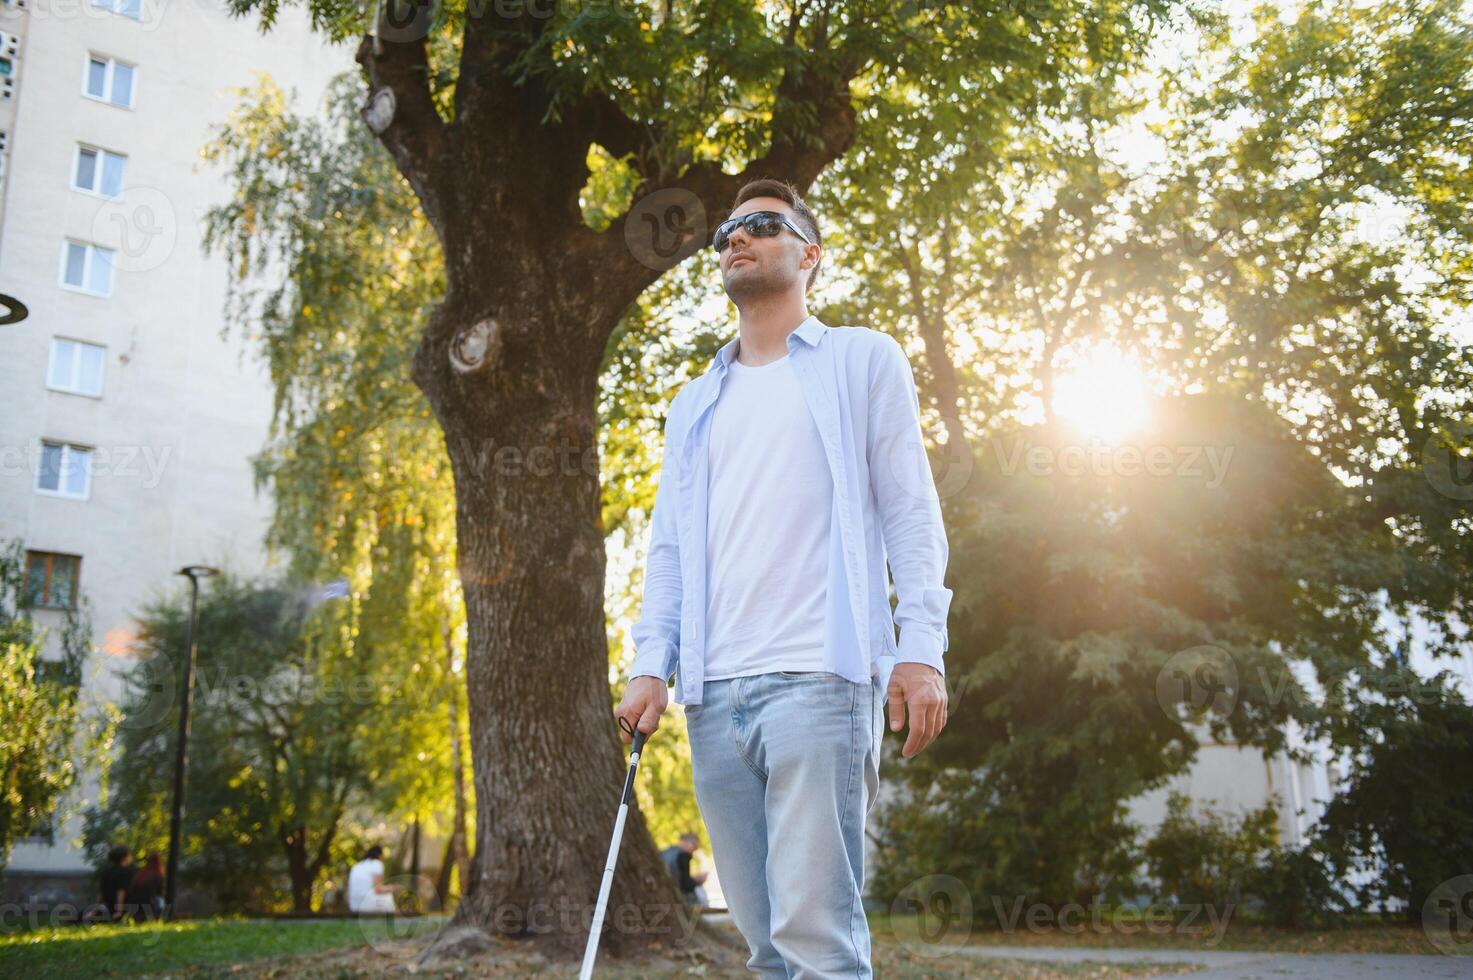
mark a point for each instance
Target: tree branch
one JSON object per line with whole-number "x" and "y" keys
{"x": 402, "y": 113}
{"x": 794, "y": 155}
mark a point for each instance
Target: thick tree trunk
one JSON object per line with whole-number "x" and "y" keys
{"x": 547, "y": 760}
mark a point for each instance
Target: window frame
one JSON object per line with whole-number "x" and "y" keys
{"x": 117, "y": 7}
{"x": 68, "y": 450}
{"x": 76, "y": 365}
{"x": 102, "y": 155}
{"x": 49, "y": 556}
{"x": 109, "y": 80}
{"x": 91, "y": 250}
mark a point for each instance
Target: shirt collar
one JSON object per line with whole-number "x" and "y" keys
{"x": 810, "y": 331}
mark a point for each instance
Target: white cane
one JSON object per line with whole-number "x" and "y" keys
{"x": 590, "y": 952}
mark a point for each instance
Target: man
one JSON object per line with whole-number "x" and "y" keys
{"x": 677, "y": 859}
{"x": 116, "y": 879}
{"x": 367, "y": 892}
{"x": 792, "y": 468}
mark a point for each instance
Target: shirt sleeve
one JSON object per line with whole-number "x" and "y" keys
{"x": 908, "y": 507}
{"x": 656, "y": 634}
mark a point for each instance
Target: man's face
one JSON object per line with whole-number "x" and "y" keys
{"x": 755, "y": 267}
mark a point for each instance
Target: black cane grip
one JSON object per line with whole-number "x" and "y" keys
{"x": 638, "y": 738}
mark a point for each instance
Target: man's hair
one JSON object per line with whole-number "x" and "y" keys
{"x": 373, "y": 853}
{"x": 118, "y": 853}
{"x": 786, "y": 192}
{"x": 688, "y": 835}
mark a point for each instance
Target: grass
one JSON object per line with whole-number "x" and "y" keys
{"x": 338, "y": 949}
{"x": 252, "y": 949}
{"x": 1233, "y": 933}
{"x": 163, "y": 947}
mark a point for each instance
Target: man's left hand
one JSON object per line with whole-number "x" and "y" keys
{"x": 917, "y": 690}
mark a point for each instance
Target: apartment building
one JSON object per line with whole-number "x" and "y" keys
{"x": 127, "y": 421}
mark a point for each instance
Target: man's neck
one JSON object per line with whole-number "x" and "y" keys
{"x": 764, "y": 330}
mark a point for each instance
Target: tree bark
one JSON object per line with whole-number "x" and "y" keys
{"x": 547, "y": 761}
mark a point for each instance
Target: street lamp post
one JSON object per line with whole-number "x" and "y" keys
{"x": 176, "y": 818}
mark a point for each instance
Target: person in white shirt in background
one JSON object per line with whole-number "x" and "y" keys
{"x": 366, "y": 889}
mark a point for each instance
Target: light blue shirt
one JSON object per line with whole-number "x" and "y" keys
{"x": 858, "y": 385}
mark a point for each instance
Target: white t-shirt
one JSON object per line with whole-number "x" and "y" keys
{"x": 767, "y": 526}
{"x": 361, "y": 896}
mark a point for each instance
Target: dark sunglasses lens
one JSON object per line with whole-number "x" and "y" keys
{"x": 765, "y": 224}
{"x": 723, "y": 234}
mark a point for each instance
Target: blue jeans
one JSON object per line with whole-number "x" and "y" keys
{"x": 786, "y": 768}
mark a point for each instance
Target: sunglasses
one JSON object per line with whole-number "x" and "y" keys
{"x": 759, "y": 224}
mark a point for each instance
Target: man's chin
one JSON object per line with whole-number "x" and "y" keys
{"x": 739, "y": 289}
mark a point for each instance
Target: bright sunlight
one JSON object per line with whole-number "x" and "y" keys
{"x": 1103, "y": 394}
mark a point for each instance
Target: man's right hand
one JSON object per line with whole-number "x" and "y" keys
{"x": 645, "y": 699}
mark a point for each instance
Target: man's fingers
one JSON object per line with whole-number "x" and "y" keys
{"x": 925, "y": 718}
{"x": 913, "y": 741}
{"x": 650, "y": 720}
{"x": 897, "y": 706}
{"x": 630, "y": 714}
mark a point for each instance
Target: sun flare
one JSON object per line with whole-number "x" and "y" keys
{"x": 1103, "y": 394}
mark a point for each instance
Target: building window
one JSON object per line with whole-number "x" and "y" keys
{"x": 88, "y": 268}
{"x": 109, "y": 80}
{"x": 65, "y": 471}
{"x": 99, "y": 171}
{"x": 51, "y": 580}
{"x": 128, "y": 8}
{"x": 76, "y": 367}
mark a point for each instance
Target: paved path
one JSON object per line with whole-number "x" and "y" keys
{"x": 1234, "y": 965}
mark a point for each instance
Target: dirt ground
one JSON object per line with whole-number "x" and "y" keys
{"x": 505, "y": 958}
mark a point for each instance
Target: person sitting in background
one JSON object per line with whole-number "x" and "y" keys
{"x": 146, "y": 893}
{"x": 677, "y": 859}
{"x": 116, "y": 878}
{"x": 366, "y": 889}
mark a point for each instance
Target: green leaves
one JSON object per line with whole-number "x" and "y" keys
{"x": 47, "y": 736}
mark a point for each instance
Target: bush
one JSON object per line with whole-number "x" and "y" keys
{"x": 1297, "y": 889}
{"x": 1407, "y": 811}
{"x": 1210, "y": 859}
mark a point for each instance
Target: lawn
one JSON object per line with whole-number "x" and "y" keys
{"x": 336, "y": 949}
{"x": 159, "y": 947}
{"x": 247, "y": 949}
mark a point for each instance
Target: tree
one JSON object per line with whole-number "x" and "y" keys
{"x": 303, "y": 732}
{"x": 1405, "y": 818}
{"x": 1311, "y": 351}
{"x": 492, "y": 117}
{"x": 46, "y": 738}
